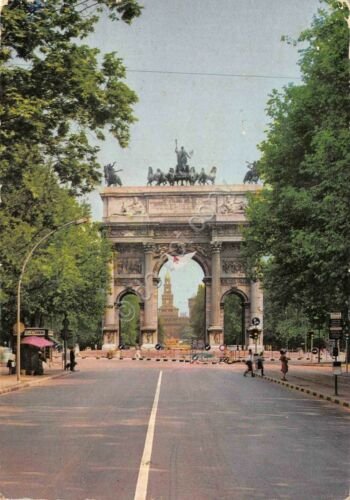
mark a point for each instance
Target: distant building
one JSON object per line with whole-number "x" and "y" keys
{"x": 173, "y": 323}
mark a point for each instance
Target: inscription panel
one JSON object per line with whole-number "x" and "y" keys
{"x": 177, "y": 205}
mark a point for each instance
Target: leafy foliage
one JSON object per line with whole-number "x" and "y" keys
{"x": 56, "y": 94}
{"x": 197, "y": 314}
{"x": 56, "y": 91}
{"x": 233, "y": 320}
{"x": 130, "y": 320}
{"x": 301, "y": 218}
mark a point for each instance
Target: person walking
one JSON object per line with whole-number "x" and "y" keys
{"x": 72, "y": 362}
{"x": 284, "y": 364}
{"x": 249, "y": 362}
{"x": 260, "y": 363}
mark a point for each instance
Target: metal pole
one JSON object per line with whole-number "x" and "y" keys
{"x": 319, "y": 345}
{"x": 336, "y": 385}
{"x": 347, "y": 353}
{"x": 65, "y": 351}
{"x": 305, "y": 353}
{"x": 26, "y": 260}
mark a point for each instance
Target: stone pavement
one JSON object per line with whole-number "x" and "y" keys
{"x": 9, "y": 383}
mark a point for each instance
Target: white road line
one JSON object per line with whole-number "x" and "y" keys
{"x": 142, "y": 480}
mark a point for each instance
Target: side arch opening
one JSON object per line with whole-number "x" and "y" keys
{"x": 129, "y": 308}
{"x": 234, "y": 305}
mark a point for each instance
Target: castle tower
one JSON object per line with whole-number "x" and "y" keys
{"x": 169, "y": 314}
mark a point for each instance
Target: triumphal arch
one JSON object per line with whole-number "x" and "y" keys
{"x": 146, "y": 225}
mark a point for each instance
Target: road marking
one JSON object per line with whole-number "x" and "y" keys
{"x": 142, "y": 480}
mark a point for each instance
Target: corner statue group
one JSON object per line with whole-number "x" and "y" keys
{"x": 110, "y": 174}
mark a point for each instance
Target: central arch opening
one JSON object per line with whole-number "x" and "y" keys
{"x": 181, "y": 304}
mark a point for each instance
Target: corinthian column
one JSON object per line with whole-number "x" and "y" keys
{"x": 215, "y": 329}
{"x": 149, "y": 328}
{"x": 110, "y": 329}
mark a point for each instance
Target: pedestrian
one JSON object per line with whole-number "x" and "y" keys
{"x": 249, "y": 362}
{"x": 260, "y": 363}
{"x": 284, "y": 364}
{"x": 11, "y": 364}
{"x": 72, "y": 362}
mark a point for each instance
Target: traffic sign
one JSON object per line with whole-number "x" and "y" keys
{"x": 255, "y": 321}
{"x": 335, "y": 325}
{"x": 21, "y": 328}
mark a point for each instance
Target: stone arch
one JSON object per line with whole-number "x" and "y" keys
{"x": 121, "y": 312}
{"x": 129, "y": 290}
{"x": 198, "y": 258}
{"x": 244, "y": 311}
{"x": 236, "y": 291}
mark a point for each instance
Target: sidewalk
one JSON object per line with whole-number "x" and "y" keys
{"x": 9, "y": 383}
{"x": 313, "y": 379}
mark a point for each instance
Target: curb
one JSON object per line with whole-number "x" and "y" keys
{"x": 332, "y": 399}
{"x": 209, "y": 361}
{"x": 29, "y": 383}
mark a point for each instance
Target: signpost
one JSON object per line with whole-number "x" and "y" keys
{"x": 335, "y": 333}
{"x": 335, "y": 326}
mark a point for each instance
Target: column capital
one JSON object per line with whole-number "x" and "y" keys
{"x": 215, "y": 246}
{"x": 148, "y": 247}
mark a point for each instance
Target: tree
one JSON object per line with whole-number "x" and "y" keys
{"x": 55, "y": 91}
{"x": 197, "y": 314}
{"x": 233, "y": 320}
{"x": 130, "y": 319}
{"x": 301, "y": 218}
{"x": 66, "y": 275}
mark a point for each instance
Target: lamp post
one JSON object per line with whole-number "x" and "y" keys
{"x": 65, "y": 332}
{"x": 26, "y": 260}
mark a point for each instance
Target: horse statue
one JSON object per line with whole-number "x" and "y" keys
{"x": 252, "y": 176}
{"x": 111, "y": 177}
{"x": 212, "y": 175}
{"x": 204, "y": 178}
{"x": 150, "y": 176}
{"x": 160, "y": 177}
{"x": 171, "y": 176}
{"x": 192, "y": 176}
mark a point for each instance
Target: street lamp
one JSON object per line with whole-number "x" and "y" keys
{"x": 26, "y": 260}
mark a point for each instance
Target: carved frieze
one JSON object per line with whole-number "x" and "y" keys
{"x": 127, "y": 206}
{"x": 114, "y": 232}
{"x": 232, "y": 205}
{"x": 233, "y": 230}
{"x": 235, "y": 282}
{"x": 129, "y": 248}
{"x": 129, "y": 265}
{"x": 232, "y": 266}
{"x": 231, "y": 250}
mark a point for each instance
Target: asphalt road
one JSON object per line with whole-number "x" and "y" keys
{"x": 119, "y": 430}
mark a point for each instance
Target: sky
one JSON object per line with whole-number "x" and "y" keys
{"x": 203, "y": 71}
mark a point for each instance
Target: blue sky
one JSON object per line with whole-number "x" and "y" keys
{"x": 203, "y": 71}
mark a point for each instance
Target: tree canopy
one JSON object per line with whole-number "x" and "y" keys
{"x": 299, "y": 234}
{"x": 59, "y": 97}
